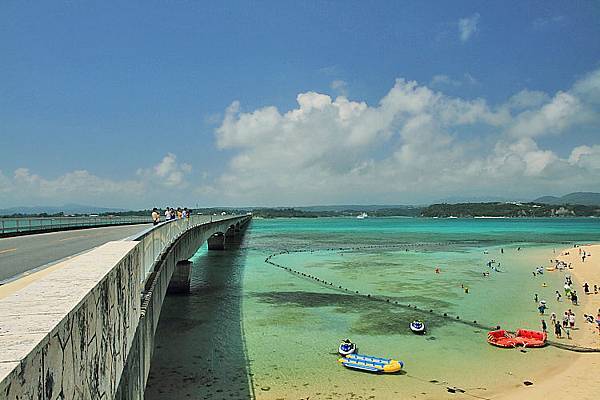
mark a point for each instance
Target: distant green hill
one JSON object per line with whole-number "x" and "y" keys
{"x": 509, "y": 210}
{"x": 583, "y": 198}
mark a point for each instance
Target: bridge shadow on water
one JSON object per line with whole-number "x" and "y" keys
{"x": 200, "y": 346}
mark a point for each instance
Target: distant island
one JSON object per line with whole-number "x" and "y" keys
{"x": 578, "y": 204}
{"x": 509, "y": 210}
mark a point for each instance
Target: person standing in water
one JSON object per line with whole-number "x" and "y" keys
{"x": 542, "y": 307}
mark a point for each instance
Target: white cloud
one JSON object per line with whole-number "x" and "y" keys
{"x": 80, "y": 185}
{"x": 167, "y": 172}
{"x": 588, "y": 88}
{"x": 545, "y": 22}
{"x": 468, "y": 26}
{"x": 414, "y": 143}
{"x": 340, "y": 87}
{"x": 552, "y": 118}
{"x": 586, "y": 157}
{"x": 441, "y": 80}
{"x": 526, "y": 99}
{"x": 27, "y": 188}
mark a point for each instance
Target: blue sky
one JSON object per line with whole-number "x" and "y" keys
{"x": 131, "y": 98}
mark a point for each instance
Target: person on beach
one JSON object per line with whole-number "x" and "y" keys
{"x": 598, "y": 321}
{"x": 558, "y": 330}
{"x": 565, "y": 320}
{"x": 535, "y": 297}
{"x": 595, "y": 289}
{"x": 544, "y": 327}
{"x": 558, "y": 296}
{"x": 586, "y": 288}
{"x": 568, "y": 332}
{"x": 572, "y": 321}
{"x": 553, "y": 318}
{"x": 567, "y": 290}
{"x": 574, "y": 298}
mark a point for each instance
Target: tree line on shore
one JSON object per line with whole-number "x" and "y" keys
{"x": 442, "y": 210}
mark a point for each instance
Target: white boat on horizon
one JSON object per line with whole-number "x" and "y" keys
{"x": 363, "y": 216}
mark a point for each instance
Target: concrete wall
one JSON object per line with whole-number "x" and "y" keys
{"x": 81, "y": 332}
{"x": 69, "y": 336}
{"x": 138, "y": 364}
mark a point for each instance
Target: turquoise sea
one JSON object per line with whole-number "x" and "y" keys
{"x": 252, "y": 330}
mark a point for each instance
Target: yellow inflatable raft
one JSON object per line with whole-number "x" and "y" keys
{"x": 371, "y": 364}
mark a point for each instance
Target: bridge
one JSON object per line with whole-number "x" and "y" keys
{"x": 86, "y": 329}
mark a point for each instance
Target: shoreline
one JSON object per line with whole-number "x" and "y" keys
{"x": 577, "y": 378}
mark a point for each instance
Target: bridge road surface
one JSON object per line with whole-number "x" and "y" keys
{"x": 24, "y": 253}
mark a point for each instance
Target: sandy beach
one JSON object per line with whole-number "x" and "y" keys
{"x": 579, "y": 378}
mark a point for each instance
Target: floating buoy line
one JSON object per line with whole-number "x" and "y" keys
{"x": 391, "y": 300}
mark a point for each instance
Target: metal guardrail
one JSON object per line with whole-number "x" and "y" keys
{"x": 157, "y": 239}
{"x": 20, "y": 225}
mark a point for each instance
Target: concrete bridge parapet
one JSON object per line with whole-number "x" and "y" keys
{"x": 81, "y": 332}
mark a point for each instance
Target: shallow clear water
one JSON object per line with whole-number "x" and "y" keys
{"x": 249, "y": 329}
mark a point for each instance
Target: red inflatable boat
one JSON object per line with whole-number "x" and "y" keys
{"x": 529, "y": 338}
{"x": 523, "y": 337}
{"x": 501, "y": 338}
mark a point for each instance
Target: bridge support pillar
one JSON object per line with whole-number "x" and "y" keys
{"x": 230, "y": 232}
{"x": 180, "y": 280}
{"x": 216, "y": 242}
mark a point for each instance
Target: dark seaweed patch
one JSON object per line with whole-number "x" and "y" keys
{"x": 374, "y": 317}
